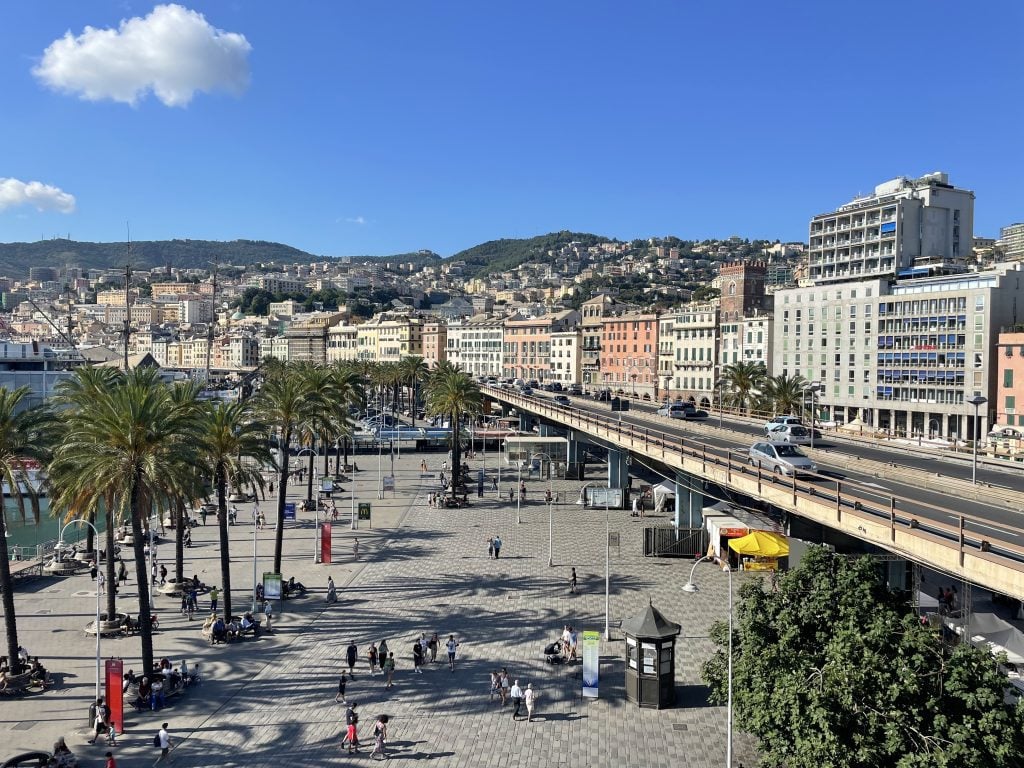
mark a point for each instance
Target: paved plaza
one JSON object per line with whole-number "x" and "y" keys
{"x": 420, "y": 570}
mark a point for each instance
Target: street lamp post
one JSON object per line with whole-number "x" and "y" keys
{"x": 519, "y": 493}
{"x": 551, "y": 561}
{"x": 255, "y": 540}
{"x": 813, "y": 389}
{"x": 690, "y": 586}
{"x": 721, "y": 398}
{"x": 607, "y": 572}
{"x": 977, "y": 401}
{"x": 96, "y": 626}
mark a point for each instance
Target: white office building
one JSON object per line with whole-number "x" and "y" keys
{"x": 907, "y": 227}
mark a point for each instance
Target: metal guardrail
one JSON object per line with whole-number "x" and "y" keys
{"x": 895, "y": 522}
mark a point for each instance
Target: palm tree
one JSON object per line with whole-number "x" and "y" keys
{"x": 452, "y": 392}
{"x": 132, "y": 448}
{"x": 785, "y": 393}
{"x": 414, "y": 371}
{"x": 25, "y": 435}
{"x": 741, "y": 380}
{"x": 284, "y": 403}
{"x": 234, "y": 448}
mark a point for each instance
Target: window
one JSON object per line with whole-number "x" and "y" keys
{"x": 1008, "y": 377}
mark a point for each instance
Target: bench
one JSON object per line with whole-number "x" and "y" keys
{"x": 14, "y": 685}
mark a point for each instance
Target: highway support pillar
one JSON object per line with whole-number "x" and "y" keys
{"x": 618, "y": 468}
{"x": 689, "y": 501}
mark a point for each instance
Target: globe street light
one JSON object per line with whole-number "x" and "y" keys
{"x": 691, "y": 587}
{"x": 977, "y": 401}
{"x": 96, "y": 626}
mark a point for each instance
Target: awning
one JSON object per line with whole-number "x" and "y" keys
{"x": 760, "y": 544}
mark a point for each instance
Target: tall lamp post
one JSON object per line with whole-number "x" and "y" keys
{"x": 977, "y": 401}
{"x": 96, "y": 626}
{"x": 551, "y": 561}
{"x": 691, "y": 587}
{"x": 721, "y": 397}
{"x": 813, "y": 389}
{"x": 255, "y": 540}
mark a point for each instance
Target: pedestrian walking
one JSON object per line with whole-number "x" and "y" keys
{"x": 268, "y": 611}
{"x": 423, "y": 466}
{"x": 101, "y": 722}
{"x": 111, "y": 762}
{"x": 490, "y": 549}
{"x": 101, "y": 582}
{"x": 214, "y": 594}
{"x": 351, "y": 739}
{"x": 505, "y": 685}
{"x": 444, "y": 466}
{"x": 389, "y": 669}
{"x": 163, "y": 575}
{"x": 495, "y": 685}
{"x": 382, "y": 653}
{"x": 371, "y": 657}
{"x": 122, "y": 573}
{"x": 547, "y": 496}
{"x": 380, "y": 737}
{"x": 350, "y": 656}
{"x": 451, "y": 647}
{"x": 342, "y": 682}
{"x": 355, "y": 549}
{"x": 517, "y": 699}
{"x": 164, "y": 739}
{"x": 270, "y": 488}
{"x": 494, "y": 483}
{"x": 572, "y": 582}
{"x": 152, "y": 572}
{"x": 417, "y": 656}
{"x": 511, "y": 495}
{"x": 529, "y": 698}
{"x": 497, "y": 547}
{"x": 332, "y": 593}
{"x": 432, "y": 645}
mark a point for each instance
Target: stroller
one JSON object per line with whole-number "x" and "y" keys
{"x": 553, "y": 653}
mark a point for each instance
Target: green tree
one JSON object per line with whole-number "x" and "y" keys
{"x": 25, "y": 435}
{"x": 452, "y": 393}
{"x": 785, "y": 393}
{"x": 235, "y": 449}
{"x": 413, "y": 372}
{"x": 835, "y": 669}
{"x": 130, "y": 447}
{"x": 741, "y": 380}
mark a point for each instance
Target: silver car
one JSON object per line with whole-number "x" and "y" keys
{"x": 797, "y": 434}
{"x": 781, "y": 458}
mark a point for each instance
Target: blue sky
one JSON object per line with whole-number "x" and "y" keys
{"x": 349, "y": 128}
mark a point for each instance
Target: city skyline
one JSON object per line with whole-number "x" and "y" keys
{"x": 364, "y": 130}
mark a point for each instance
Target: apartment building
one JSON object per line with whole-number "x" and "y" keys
{"x": 398, "y": 337}
{"x": 342, "y": 343}
{"x": 1011, "y": 242}
{"x": 629, "y": 354}
{"x": 688, "y": 351}
{"x": 435, "y": 342}
{"x": 566, "y": 356}
{"x": 475, "y": 345}
{"x": 1010, "y": 379}
{"x": 592, "y": 314}
{"x": 171, "y": 291}
{"x": 901, "y": 356}
{"x": 907, "y": 227}
{"x": 527, "y": 344}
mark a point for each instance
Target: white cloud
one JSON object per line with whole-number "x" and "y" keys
{"x": 356, "y": 220}
{"x": 14, "y": 192}
{"x": 172, "y": 52}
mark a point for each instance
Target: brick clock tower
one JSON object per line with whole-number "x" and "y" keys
{"x": 743, "y": 290}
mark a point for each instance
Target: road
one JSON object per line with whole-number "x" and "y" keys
{"x": 924, "y": 504}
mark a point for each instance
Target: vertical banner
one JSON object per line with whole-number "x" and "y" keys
{"x": 591, "y": 663}
{"x": 114, "y": 676}
{"x": 271, "y": 586}
{"x": 325, "y": 542}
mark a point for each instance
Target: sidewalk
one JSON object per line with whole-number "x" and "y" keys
{"x": 421, "y": 570}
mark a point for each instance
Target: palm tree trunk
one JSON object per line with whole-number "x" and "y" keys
{"x": 179, "y": 543}
{"x": 412, "y": 406}
{"x": 10, "y": 621}
{"x": 282, "y": 487}
{"x": 337, "y": 457}
{"x": 142, "y": 578}
{"x": 90, "y": 537}
{"x": 456, "y": 464}
{"x": 225, "y": 553}
{"x": 108, "y": 568}
{"x": 309, "y": 478}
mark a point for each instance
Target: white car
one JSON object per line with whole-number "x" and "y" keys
{"x": 790, "y": 433}
{"x": 782, "y": 459}
{"x": 780, "y": 421}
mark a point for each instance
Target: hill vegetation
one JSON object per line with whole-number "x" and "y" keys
{"x": 500, "y": 255}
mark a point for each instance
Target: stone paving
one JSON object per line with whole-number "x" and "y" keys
{"x": 421, "y": 570}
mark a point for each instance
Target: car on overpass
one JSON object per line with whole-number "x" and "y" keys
{"x": 797, "y": 434}
{"x": 681, "y": 411}
{"x": 603, "y": 395}
{"x": 575, "y": 389}
{"x": 562, "y": 400}
{"x": 782, "y": 459}
{"x": 777, "y": 421}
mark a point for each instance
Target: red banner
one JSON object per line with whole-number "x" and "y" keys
{"x": 325, "y": 542}
{"x": 114, "y": 675}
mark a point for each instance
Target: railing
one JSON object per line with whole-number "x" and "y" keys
{"x": 895, "y": 522}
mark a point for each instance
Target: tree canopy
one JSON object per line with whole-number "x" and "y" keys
{"x": 834, "y": 668}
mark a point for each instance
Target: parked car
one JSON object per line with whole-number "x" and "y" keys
{"x": 603, "y": 395}
{"x": 562, "y": 400}
{"x": 790, "y": 433}
{"x": 780, "y": 420}
{"x": 241, "y": 497}
{"x": 781, "y": 458}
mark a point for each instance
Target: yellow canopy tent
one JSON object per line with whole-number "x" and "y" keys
{"x": 760, "y": 544}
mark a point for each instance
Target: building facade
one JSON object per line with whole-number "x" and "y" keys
{"x": 629, "y": 354}
{"x": 687, "y": 352}
{"x": 566, "y": 357}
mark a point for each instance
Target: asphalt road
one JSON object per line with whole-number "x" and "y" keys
{"x": 746, "y": 434}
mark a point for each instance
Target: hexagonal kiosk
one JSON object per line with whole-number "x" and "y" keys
{"x": 650, "y": 659}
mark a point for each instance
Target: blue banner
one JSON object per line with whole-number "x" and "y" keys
{"x": 289, "y": 511}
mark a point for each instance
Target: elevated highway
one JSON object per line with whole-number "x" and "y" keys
{"x": 952, "y": 526}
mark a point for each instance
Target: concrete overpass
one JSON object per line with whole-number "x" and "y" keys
{"x": 980, "y": 548}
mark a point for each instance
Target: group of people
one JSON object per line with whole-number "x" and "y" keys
{"x": 220, "y": 631}
{"x": 494, "y": 547}
{"x": 947, "y": 599}
{"x": 351, "y": 737}
{"x": 506, "y": 689}
{"x": 564, "y": 649}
